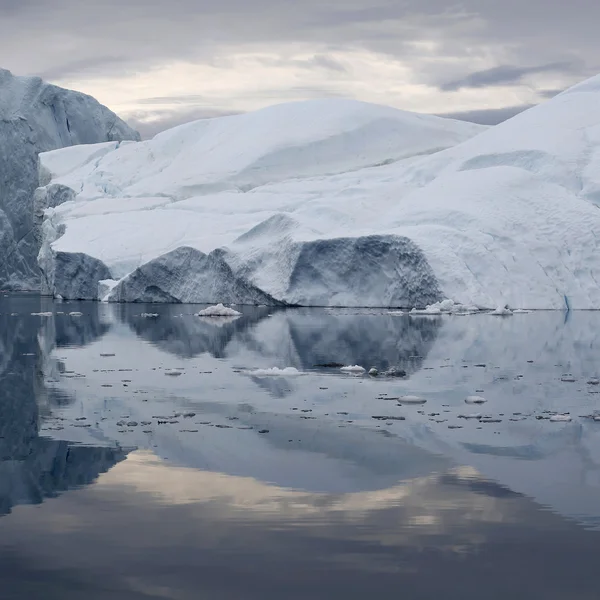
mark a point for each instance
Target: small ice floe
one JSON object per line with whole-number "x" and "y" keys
{"x": 568, "y": 378}
{"x": 475, "y": 400}
{"x": 561, "y": 418}
{"x": 521, "y": 311}
{"x": 502, "y": 311}
{"x": 42, "y": 314}
{"x": 76, "y": 314}
{"x": 149, "y": 315}
{"x": 106, "y": 354}
{"x": 396, "y": 313}
{"x": 395, "y": 372}
{"x": 219, "y": 311}
{"x": 446, "y": 307}
{"x": 373, "y": 372}
{"x": 173, "y": 372}
{"x": 275, "y": 372}
{"x": 471, "y": 416}
{"x": 353, "y": 369}
{"x": 412, "y": 400}
{"x": 593, "y": 381}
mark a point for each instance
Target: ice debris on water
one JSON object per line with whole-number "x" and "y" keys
{"x": 412, "y": 400}
{"x": 76, "y": 314}
{"x": 42, "y": 314}
{"x": 373, "y": 372}
{"x": 561, "y": 418}
{"x": 475, "y": 400}
{"x": 502, "y": 311}
{"x": 149, "y": 315}
{"x": 218, "y": 311}
{"x": 173, "y": 373}
{"x": 568, "y": 378}
{"x": 446, "y": 307}
{"x": 275, "y": 372}
{"x": 353, "y": 369}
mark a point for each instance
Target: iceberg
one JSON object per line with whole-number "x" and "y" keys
{"x": 38, "y": 117}
{"x": 341, "y": 203}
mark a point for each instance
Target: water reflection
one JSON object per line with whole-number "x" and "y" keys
{"x": 244, "y": 486}
{"x": 33, "y": 468}
{"x": 169, "y": 532}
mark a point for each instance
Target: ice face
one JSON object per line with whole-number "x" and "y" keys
{"x": 341, "y": 203}
{"x": 37, "y": 117}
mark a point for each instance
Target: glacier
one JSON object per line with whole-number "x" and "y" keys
{"x": 38, "y": 117}
{"x": 336, "y": 203}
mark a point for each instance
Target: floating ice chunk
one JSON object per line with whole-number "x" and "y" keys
{"x": 431, "y": 311}
{"x": 42, "y": 314}
{"x": 373, "y": 372}
{"x": 412, "y": 400}
{"x": 218, "y": 311}
{"x": 560, "y": 418}
{"x": 502, "y": 311}
{"x": 353, "y": 369}
{"x": 568, "y": 378}
{"x": 149, "y": 315}
{"x": 475, "y": 400}
{"x": 275, "y": 372}
{"x": 520, "y": 311}
{"x": 593, "y": 381}
{"x": 446, "y": 307}
{"x": 396, "y": 313}
{"x": 173, "y": 373}
{"x": 471, "y": 416}
{"x": 76, "y": 314}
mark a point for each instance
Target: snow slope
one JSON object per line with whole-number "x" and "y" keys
{"x": 37, "y": 117}
{"x": 343, "y": 203}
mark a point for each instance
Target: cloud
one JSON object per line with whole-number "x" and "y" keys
{"x": 488, "y": 116}
{"x": 150, "y": 123}
{"x": 427, "y": 55}
{"x": 502, "y": 75}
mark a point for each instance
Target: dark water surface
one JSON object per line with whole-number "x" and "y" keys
{"x": 146, "y": 457}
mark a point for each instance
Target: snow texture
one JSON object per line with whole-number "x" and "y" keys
{"x": 341, "y": 203}
{"x": 38, "y": 117}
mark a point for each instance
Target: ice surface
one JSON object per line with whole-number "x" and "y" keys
{"x": 38, "y": 117}
{"x": 254, "y": 184}
{"x": 349, "y": 204}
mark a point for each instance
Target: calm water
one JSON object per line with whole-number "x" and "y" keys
{"x": 145, "y": 457}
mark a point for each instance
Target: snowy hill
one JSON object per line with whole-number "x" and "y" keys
{"x": 37, "y": 117}
{"x": 339, "y": 203}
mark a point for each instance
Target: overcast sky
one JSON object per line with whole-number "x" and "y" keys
{"x": 161, "y": 62}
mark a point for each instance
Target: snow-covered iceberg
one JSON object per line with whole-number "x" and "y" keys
{"x": 38, "y": 117}
{"x": 340, "y": 203}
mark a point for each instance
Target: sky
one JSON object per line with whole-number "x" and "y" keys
{"x": 158, "y": 63}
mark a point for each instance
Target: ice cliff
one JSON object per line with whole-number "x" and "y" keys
{"x": 335, "y": 203}
{"x": 38, "y": 117}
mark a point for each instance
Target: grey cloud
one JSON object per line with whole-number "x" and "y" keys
{"x": 163, "y": 120}
{"x": 437, "y": 39}
{"x": 550, "y": 93}
{"x": 489, "y": 116}
{"x": 177, "y": 110}
{"x": 83, "y": 66}
{"x": 502, "y": 75}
